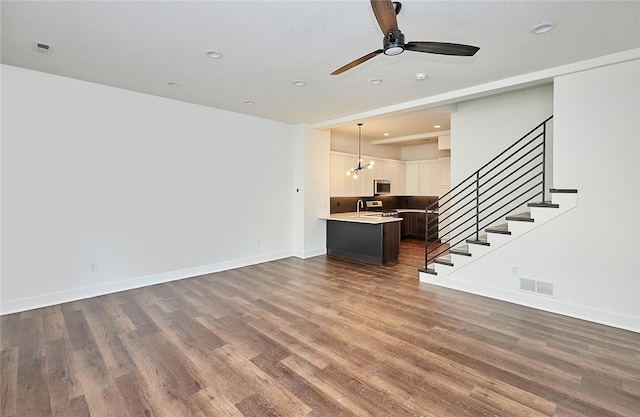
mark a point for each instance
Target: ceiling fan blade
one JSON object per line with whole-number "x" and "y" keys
{"x": 386, "y": 16}
{"x": 356, "y": 62}
{"x": 442, "y": 48}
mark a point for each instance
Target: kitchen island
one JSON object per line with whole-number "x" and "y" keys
{"x": 364, "y": 237}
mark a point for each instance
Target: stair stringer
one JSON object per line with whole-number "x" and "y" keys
{"x": 541, "y": 215}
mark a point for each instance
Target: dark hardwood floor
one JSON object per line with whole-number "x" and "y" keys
{"x": 315, "y": 337}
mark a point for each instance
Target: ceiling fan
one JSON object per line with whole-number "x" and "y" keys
{"x": 393, "y": 42}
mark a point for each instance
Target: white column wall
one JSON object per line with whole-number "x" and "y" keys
{"x": 313, "y": 172}
{"x": 597, "y": 151}
{"x": 148, "y": 188}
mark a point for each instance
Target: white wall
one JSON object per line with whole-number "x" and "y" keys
{"x": 151, "y": 189}
{"x": 590, "y": 252}
{"x": 484, "y": 127}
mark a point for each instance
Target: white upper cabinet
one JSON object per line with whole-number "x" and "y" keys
{"x": 381, "y": 170}
{"x": 445, "y": 171}
{"x": 397, "y": 178}
{"x": 363, "y": 185}
{"x": 343, "y": 185}
{"x": 445, "y": 175}
{"x": 428, "y": 177}
{"x": 411, "y": 178}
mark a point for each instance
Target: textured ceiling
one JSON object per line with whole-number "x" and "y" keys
{"x": 142, "y": 46}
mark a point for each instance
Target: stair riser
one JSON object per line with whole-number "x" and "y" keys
{"x": 459, "y": 261}
{"x": 566, "y": 201}
{"x": 543, "y": 215}
{"x": 427, "y": 278}
{"x": 479, "y": 250}
{"x": 496, "y": 239}
{"x": 519, "y": 228}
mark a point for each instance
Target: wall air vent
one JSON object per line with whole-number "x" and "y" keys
{"x": 42, "y": 48}
{"x": 538, "y": 287}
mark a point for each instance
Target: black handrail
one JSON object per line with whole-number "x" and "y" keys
{"x": 494, "y": 188}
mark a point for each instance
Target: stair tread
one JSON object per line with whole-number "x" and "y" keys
{"x": 544, "y": 204}
{"x": 502, "y": 229}
{"x": 482, "y": 240}
{"x": 521, "y": 217}
{"x": 563, "y": 190}
{"x": 430, "y": 271}
{"x": 443, "y": 260}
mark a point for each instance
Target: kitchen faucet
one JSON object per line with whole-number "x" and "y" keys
{"x": 359, "y": 205}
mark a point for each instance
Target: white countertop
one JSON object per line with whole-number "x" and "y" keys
{"x": 364, "y": 217}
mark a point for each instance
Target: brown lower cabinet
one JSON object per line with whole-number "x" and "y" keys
{"x": 414, "y": 224}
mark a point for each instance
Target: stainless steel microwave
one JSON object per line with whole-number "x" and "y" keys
{"x": 381, "y": 187}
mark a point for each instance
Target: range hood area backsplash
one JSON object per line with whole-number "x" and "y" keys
{"x": 348, "y": 204}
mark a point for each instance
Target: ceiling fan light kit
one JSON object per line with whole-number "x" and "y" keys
{"x": 393, "y": 45}
{"x": 393, "y": 42}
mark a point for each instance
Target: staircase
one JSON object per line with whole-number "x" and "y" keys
{"x": 513, "y": 226}
{"x": 496, "y": 204}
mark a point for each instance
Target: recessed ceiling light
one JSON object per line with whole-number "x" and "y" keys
{"x": 214, "y": 54}
{"x": 437, "y": 126}
{"x": 375, "y": 81}
{"x": 421, "y": 76}
{"x": 249, "y": 103}
{"x": 386, "y": 134}
{"x": 298, "y": 83}
{"x": 172, "y": 84}
{"x": 542, "y": 28}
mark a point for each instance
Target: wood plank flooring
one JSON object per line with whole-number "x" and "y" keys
{"x": 315, "y": 337}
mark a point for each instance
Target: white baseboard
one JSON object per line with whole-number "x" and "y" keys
{"x": 45, "y": 300}
{"x": 310, "y": 253}
{"x": 551, "y": 305}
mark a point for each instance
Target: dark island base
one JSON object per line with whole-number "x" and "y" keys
{"x": 375, "y": 244}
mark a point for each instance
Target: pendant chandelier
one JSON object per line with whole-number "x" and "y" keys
{"x": 355, "y": 171}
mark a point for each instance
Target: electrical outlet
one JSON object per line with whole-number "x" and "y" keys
{"x": 259, "y": 242}
{"x": 93, "y": 267}
{"x": 514, "y": 270}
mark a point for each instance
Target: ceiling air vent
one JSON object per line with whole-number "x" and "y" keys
{"x": 43, "y": 48}
{"x": 537, "y": 287}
